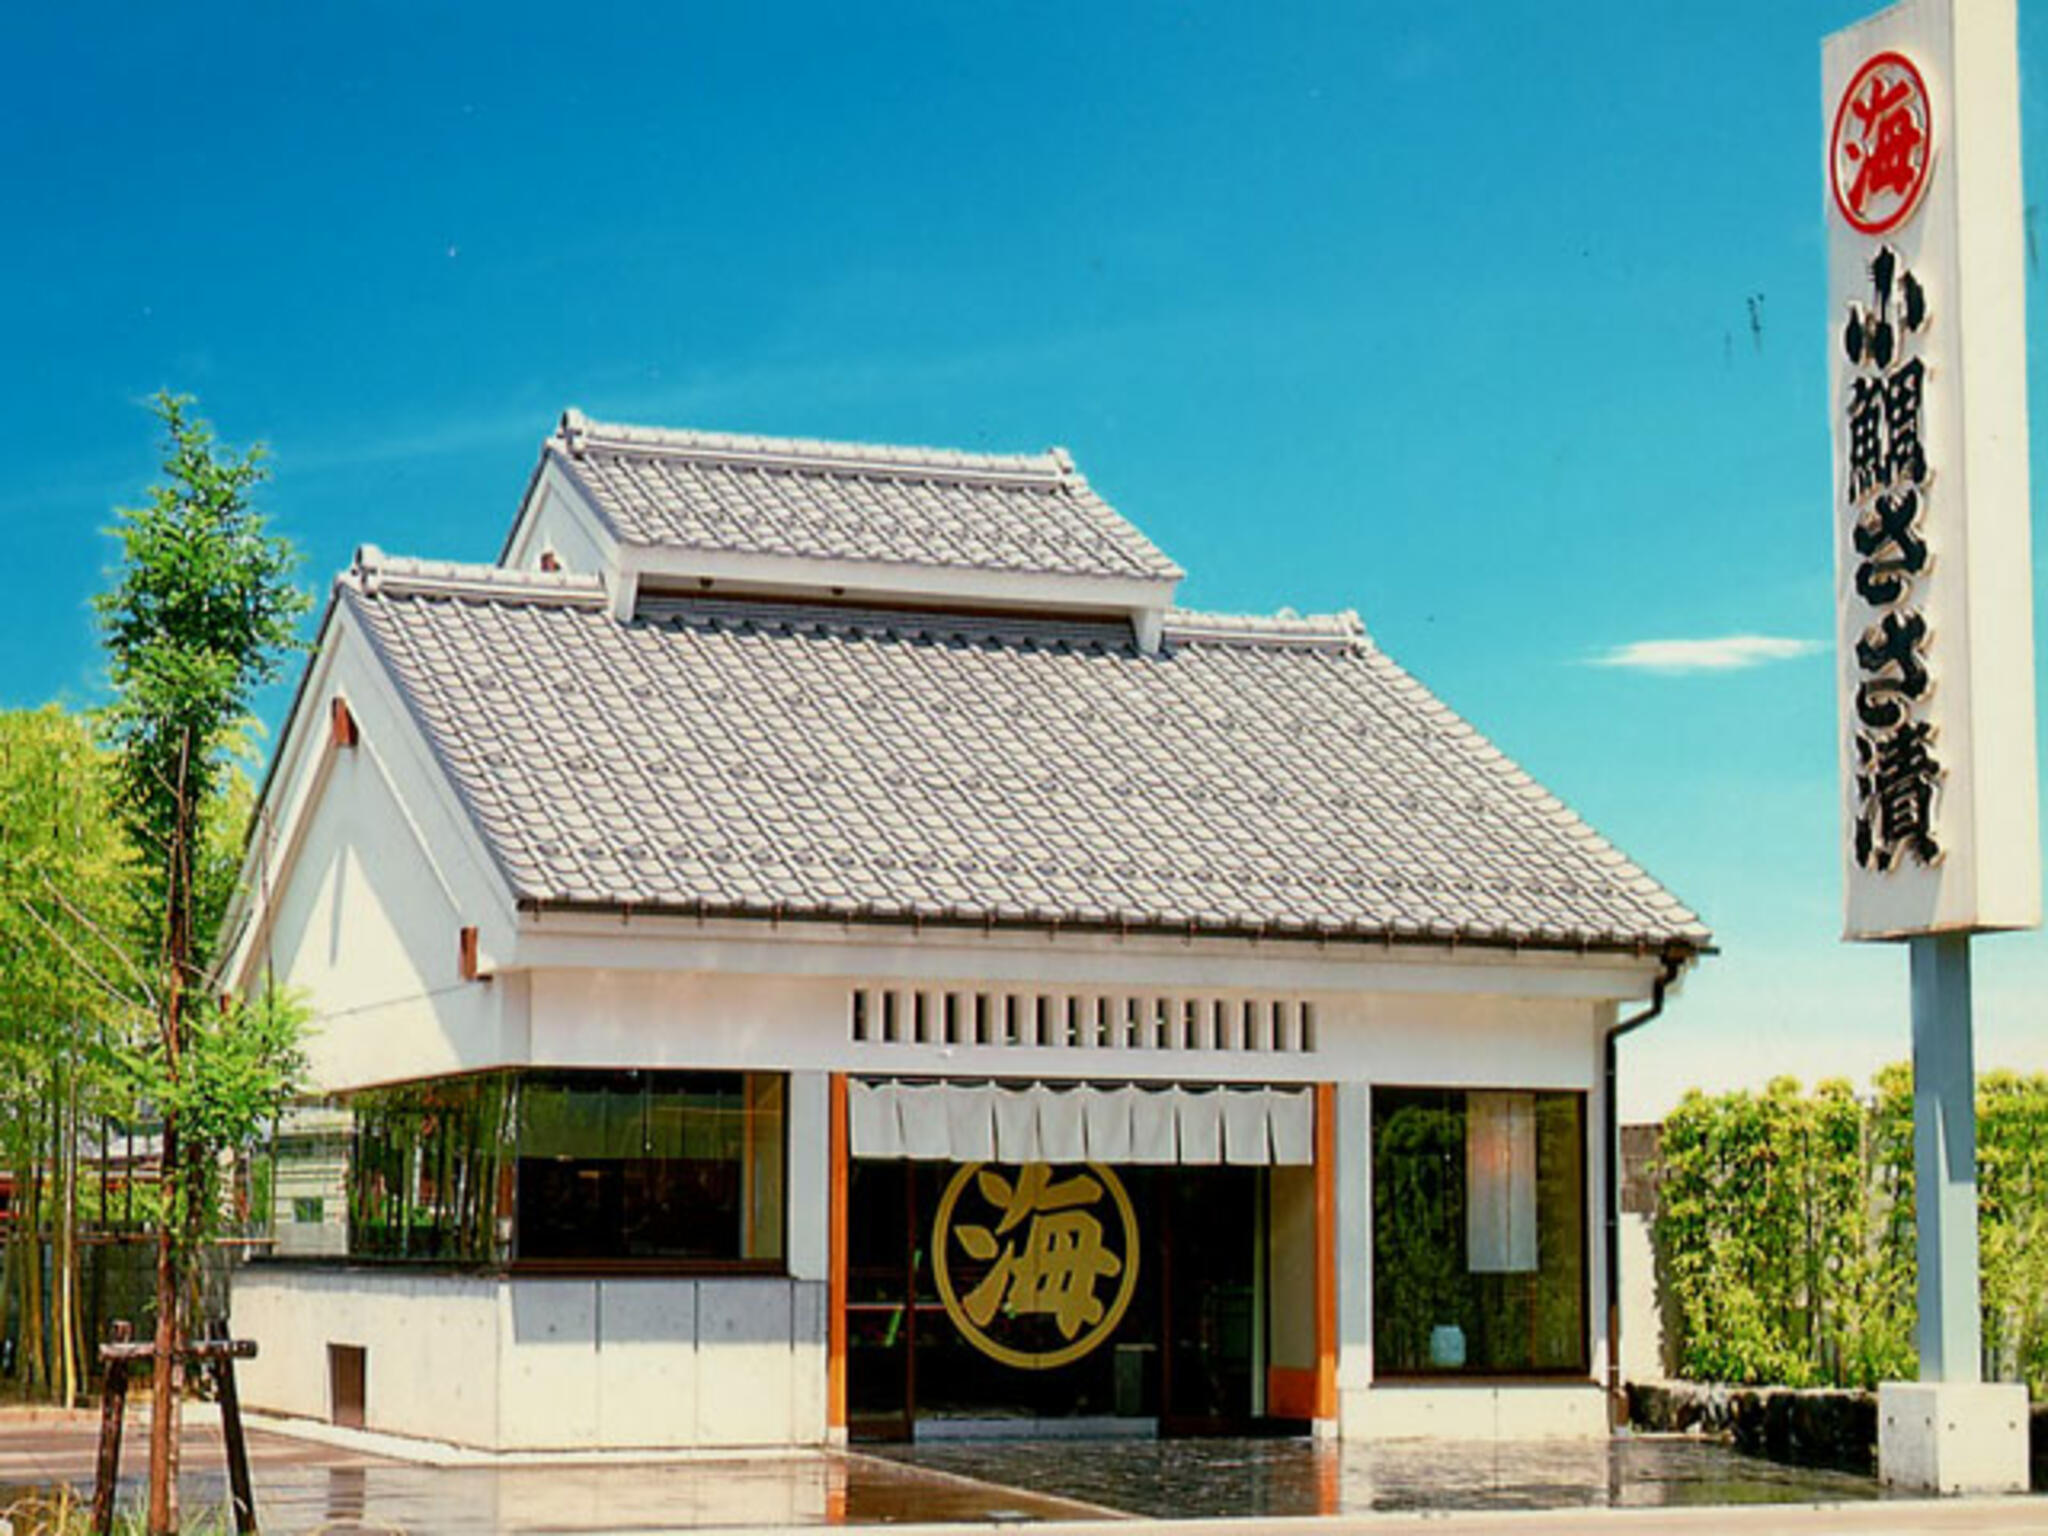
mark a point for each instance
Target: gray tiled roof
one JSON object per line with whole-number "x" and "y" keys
{"x": 1023, "y": 514}
{"x": 1270, "y": 775}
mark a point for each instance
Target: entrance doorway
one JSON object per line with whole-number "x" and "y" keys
{"x": 1069, "y": 1299}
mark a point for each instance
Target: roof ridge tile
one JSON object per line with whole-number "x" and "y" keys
{"x": 578, "y": 435}
{"x": 376, "y": 574}
{"x": 1342, "y": 629}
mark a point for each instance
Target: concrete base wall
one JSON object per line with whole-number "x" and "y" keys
{"x": 1475, "y": 1412}
{"x": 545, "y": 1364}
{"x": 1952, "y": 1437}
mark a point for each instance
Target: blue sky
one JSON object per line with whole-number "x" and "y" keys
{"x": 1503, "y": 327}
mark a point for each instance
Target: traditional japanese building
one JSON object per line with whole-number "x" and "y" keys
{"x": 812, "y": 942}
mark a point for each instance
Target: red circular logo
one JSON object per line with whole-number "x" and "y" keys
{"x": 1882, "y": 149}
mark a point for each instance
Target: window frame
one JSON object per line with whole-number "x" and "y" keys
{"x": 607, "y": 1267}
{"x": 511, "y": 1265}
{"x": 1425, "y": 1376}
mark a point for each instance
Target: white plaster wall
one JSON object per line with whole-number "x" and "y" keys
{"x": 605, "y": 1017}
{"x": 1354, "y": 1255}
{"x": 371, "y": 874}
{"x": 371, "y": 935}
{"x": 1470, "y": 1041}
{"x": 906, "y": 954}
{"x": 1596, "y": 1207}
{"x": 809, "y": 1184}
{"x": 544, "y": 1364}
{"x": 1644, "y": 1355}
{"x": 560, "y": 523}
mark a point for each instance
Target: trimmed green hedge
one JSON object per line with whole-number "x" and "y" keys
{"x": 1785, "y": 1231}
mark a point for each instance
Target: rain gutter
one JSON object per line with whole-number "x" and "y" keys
{"x": 1610, "y": 1140}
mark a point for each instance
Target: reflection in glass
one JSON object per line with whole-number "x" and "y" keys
{"x": 496, "y": 1167}
{"x": 650, "y": 1165}
{"x": 1479, "y": 1215}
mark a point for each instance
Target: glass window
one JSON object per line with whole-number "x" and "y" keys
{"x": 1479, "y": 1231}
{"x": 425, "y": 1182}
{"x": 650, "y": 1165}
{"x": 493, "y": 1167}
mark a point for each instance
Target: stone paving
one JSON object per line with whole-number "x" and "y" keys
{"x": 1668, "y": 1486}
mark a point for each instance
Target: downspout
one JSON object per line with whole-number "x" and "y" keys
{"x": 1617, "y": 1400}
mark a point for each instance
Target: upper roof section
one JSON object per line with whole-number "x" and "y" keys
{"x": 1029, "y": 513}
{"x": 1252, "y": 776}
{"x": 658, "y": 508}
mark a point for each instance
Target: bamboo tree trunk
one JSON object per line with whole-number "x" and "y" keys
{"x": 67, "y": 1243}
{"x": 10, "y": 1259}
{"x": 10, "y": 1254}
{"x": 34, "y": 1351}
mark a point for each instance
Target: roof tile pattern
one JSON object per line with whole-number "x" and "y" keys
{"x": 828, "y": 762}
{"x": 919, "y": 507}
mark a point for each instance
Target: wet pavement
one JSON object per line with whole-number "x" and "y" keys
{"x": 305, "y": 1486}
{"x": 1171, "y": 1478}
{"x": 1665, "y": 1485}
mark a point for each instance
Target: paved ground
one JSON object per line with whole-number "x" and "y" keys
{"x": 1166, "y": 1478}
{"x": 303, "y": 1486}
{"x": 1676, "y": 1488}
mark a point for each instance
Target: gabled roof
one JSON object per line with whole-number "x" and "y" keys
{"x": 1277, "y": 776}
{"x": 1024, "y": 514}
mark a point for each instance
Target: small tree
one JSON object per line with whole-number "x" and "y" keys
{"x": 201, "y": 615}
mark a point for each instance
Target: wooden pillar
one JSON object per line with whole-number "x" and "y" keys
{"x": 1326, "y": 1251}
{"x": 836, "y": 1229}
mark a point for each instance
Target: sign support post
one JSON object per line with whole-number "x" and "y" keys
{"x": 1934, "y": 616}
{"x": 1945, "y": 1159}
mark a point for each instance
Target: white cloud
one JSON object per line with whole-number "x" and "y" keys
{"x": 1726, "y": 654}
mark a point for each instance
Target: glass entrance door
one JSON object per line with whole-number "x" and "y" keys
{"x": 1215, "y": 1317}
{"x": 881, "y": 1321}
{"x": 1128, "y": 1298}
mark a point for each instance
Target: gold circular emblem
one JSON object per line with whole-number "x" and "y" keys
{"x": 1039, "y": 1244}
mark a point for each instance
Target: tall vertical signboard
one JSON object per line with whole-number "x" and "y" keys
{"x": 1927, "y": 319}
{"x": 1934, "y": 620}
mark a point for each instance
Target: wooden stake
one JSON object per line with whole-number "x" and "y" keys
{"x": 239, "y": 1490}
{"x": 113, "y": 1408}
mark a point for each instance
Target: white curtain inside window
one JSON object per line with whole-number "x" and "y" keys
{"x": 1500, "y": 1183}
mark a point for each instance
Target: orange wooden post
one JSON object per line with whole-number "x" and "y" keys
{"x": 1326, "y": 1250}
{"x": 836, "y": 1228}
